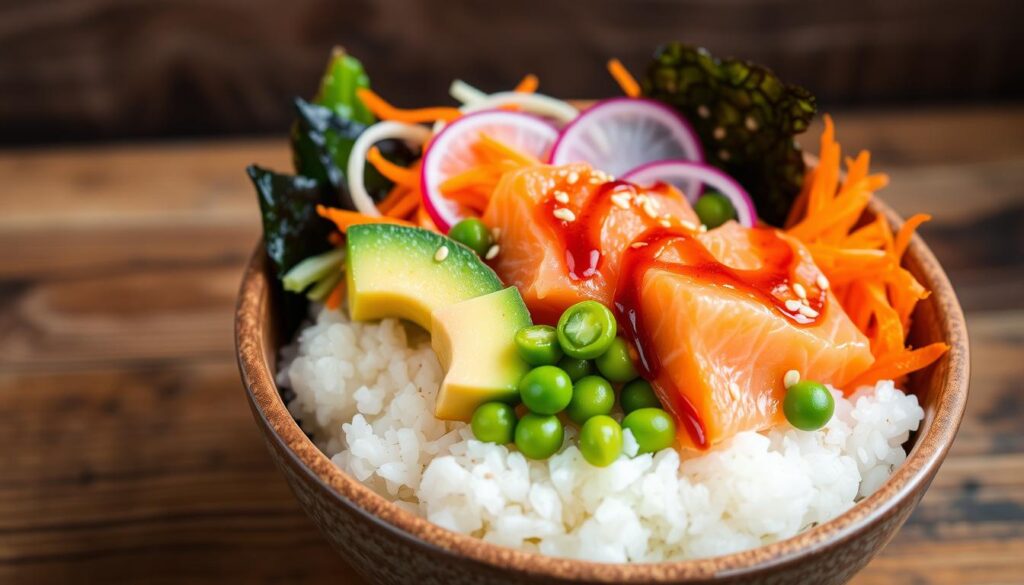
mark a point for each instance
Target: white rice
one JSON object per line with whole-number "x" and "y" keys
{"x": 365, "y": 391}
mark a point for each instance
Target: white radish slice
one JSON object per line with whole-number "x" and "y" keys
{"x": 685, "y": 174}
{"x": 620, "y": 134}
{"x": 451, "y": 153}
{"x": 412, "y": 134}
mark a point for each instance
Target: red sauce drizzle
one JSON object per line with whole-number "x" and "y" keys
{"x": 581, "y": 238}
{"x": 769, "y": 285}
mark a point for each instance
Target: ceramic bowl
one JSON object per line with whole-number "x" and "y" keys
{"x": 389, "y": 545}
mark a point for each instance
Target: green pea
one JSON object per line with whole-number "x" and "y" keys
{"x": 638, "y": 394}
{"x": 601, "y": 440}
{"x": 586, "y": 329}
{"x": 808, "y": 405}
{"x": 714, "y": 209}
{"x": 576, "y": 368}
{"x": 474, "y": 234}
{"x": 546, "y": 390}
{"x": 615, "y": 363}
{"x": 538, "y": 345}
{"x": 539, "y": 436}
{"x": 494, "y": 422}
{"x": 591, "y": 396}
{"x": 653, "y": 429}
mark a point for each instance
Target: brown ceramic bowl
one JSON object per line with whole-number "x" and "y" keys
{"x": 390, "y": 545}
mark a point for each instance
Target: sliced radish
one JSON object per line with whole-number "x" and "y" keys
{"x": 690, "y": 177}
{"x": 620, "y": 134}
{"x": 451, "y": 153}
{"x": 412, "y": 134}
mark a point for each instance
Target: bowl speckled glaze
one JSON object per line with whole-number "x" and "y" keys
{"x": 389, "y": 545}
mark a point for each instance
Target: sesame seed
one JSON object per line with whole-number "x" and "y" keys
{"x": 799, "y": 290}
{"x": 649, "y": 209}
{"x": 572, "y": 178}
{"x": 734, "y": 390}
{"x": 791, "y": 378}
{"x": 822, "y": 282}
{"x": 719, "y": 133}
{"x": 595, "y": 181}
{"x": 638, "y": 244}
{"x": 441, "y": 254}
{"x": 561, "y": 197}
{"x": 751, "y": 123}
{"x": 621, "y": 200}
{"x": 640, "y": 199}
{"x": 703, "y": 111}
{"x": 665, "y": 223}
{"x": 703, "y": 229}
{"x": 562, "y": 173}
{"x": 792, "y": 306}
{"x": 564, "y": 214}
{"x": 688, "y": 225}
{"x": 492, "y": 252}
{"x": 808, "y": 312}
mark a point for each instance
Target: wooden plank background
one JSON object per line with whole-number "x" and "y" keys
{"x": 87, "y": 69}
{"x": 127, "y": 451}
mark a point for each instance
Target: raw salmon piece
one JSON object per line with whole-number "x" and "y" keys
{"x": 533, "y": 253}
{"x": 727, "y": 353}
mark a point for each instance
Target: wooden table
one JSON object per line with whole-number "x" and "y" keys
{"x": 128, "y": 452}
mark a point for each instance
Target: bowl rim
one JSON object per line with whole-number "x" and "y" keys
{"x": 907, "y": 482}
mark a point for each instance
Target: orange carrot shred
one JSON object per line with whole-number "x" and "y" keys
{"x": 405, "y": 206}
{"x": 344, "y": 218}
{"x": 862, "y": 260}
{"x": 386, "y": 111}
{"x": 529, "y": 84}
{"x": 334, "y": 299}
{"x": 623, "y": 77}
{"x": 391, "y": 171}
{"x": 906, "y": 231}
{"x": 394, "y": 196}
{"x": 897, "y": 364}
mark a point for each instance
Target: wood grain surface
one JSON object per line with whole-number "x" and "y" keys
{"x": 128, "y": 454}
{"x": 88, "y": 69}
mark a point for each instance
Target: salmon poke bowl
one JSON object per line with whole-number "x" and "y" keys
{"x": 645, "y": 338}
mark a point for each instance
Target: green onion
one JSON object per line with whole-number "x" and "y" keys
{"x": 323, "y": 288}
{"x": 313, "y": 269}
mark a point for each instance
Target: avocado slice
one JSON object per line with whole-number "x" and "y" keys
{"x": 396, "y": 271}
{"x": 475, "y": 341}
{"x": 392, "y": 271}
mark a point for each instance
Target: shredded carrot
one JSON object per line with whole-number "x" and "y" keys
{"x": 394, "y": 196}
{"x": 504, "y": 151}
{"x": 405, "y": 206}
{"x": 895, "y": 365}
{"x": 334, "y": 299}
{"x": 906, "y": 231}
{"x": 423, "y": 219}
{"x": 391, "y": 171}
{"x": 344, "y": 218}
{"x": 335, "y": 238}
{"x": 529, "y": 84}
{"x": 862, "y": 260}
{"x": 386, "y": 111}
{"x": 622, "y": 76}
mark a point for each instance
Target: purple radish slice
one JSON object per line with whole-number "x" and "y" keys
{"x": 690, "y": 177}
{"x": 620, "y": 134}
{"x": 451, "y": 153}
